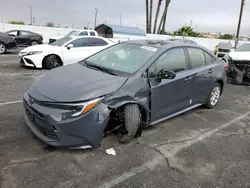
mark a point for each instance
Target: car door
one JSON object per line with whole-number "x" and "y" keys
{"x": 204, "y": 73}
{"x": 169, "y": 96}
{"x": 23, "y": 38}
{"x": 80, "y": 50}
{"x": 97, "y": 44}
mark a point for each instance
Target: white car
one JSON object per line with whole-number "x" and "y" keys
{"x": 64, "y": 51}
{"x": 75, "y": 32}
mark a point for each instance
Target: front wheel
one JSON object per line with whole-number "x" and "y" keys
{"x": 33, "y": 43}
{"x": 132, "y": 121}
{"x": 52, "y": 61}
{"x": 214, "y": 96}
{"x": 2, "y": 48}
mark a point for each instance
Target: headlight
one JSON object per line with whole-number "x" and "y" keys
{"x": 78, "y": 108}
{"x": 34, "y": 52}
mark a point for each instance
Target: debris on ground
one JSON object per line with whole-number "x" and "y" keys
{"x": 110, "y": 151}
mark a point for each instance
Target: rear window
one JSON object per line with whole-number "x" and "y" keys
{"x": 97, "y": 42}
{"x": 209, "y": 59}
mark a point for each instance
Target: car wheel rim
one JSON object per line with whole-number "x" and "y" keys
{"x": 215, "y": 95}
{"x": 34, "y": 43}
{"x": 55, "y": 61}
{"x": 2, "y": 48}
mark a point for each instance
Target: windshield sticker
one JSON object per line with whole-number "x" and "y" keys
{"x": 149, "y": 48}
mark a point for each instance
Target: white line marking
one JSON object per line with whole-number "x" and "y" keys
{"x": 175, "y": 149}
{"x": 133, "y": 172}
{"x": 178, "y": 147}
{"x": 11, "y": 102}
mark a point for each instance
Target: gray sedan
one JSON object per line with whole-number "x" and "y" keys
{"x": 124, "y": 88}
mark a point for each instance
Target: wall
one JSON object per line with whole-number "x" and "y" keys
{"x": 48, "y": 32}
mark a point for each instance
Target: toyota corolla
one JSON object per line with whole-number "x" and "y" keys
{"x": 123, "y": 88}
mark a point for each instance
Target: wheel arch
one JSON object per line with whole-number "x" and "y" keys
{"x": 220, "y": 81}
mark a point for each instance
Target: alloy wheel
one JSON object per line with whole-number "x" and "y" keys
{"x": 55, "y": 62}
{"x": 2, "y": 48}
{"x": 33, "y": 43}
{"x": 215, "y": 95}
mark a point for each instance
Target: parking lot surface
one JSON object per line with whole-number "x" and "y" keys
{"x": 201, "y": 148}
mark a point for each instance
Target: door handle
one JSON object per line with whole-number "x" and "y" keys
{"x": 210, "y": 71}
{"x": 187, "y": 78}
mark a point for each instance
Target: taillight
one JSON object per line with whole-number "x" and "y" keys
{"x": 225, "y": 65}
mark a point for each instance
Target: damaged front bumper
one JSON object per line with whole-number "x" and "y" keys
{"x": 239, "y": 71}
{"x": 79, "y": 132}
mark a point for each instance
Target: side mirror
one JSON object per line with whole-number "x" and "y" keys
{"x": 166, "y": 74}
{"x": 70, "y": 46}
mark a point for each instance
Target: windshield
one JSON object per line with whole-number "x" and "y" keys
{"x": 61, "y": 41}
{"x": 243, "y": 48}
{"x": 124, "y": 57}
{"x": 72, "y": 33}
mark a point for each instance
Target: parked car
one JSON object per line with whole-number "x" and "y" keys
{"x": 125, "y": 87}
{"x": 25, "y": 38}
{"x": 75, "y": 32}
{"x": 222, "y": 49}
{"x": 6, "y": 43}
{"x": 64, "y": 51}
{"x": 239, "y": 64}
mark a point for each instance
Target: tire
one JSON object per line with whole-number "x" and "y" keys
{"x": 52, "y": 61}
{"x": 33, "y": 43}
{"x": 132, "y": 121}
{"x": 214, "y": 96}
{"x": 3, "y": 48}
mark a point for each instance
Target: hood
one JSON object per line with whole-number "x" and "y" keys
{"x": 41, "y": 47}
{"x": 75, "y": 82}
{"x": 239, "y": 55}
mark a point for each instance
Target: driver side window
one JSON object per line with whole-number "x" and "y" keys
{"x": 173, "y": 59}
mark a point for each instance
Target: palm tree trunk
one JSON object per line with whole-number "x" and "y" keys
{"x": 162, "y": 24}
{"x": 157, "y": 14}
{"x": 165, "y": 16}
{"x": 147, "y": 18}
{"x": 150, "y": 16}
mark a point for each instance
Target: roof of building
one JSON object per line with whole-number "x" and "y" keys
{"x": 125, "y": 30}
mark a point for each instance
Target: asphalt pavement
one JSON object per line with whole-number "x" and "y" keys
{"x": 201, "y": 148}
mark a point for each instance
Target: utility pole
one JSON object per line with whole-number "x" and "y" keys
{"x": 191, "y": 21}
{"x": 31, "y": 17}
{"x": 96, "y": 10}
{"x": 34, "y": 21}
{"x": 239, "y": 23}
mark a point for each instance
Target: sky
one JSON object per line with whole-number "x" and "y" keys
{"x": 206, "y": 15}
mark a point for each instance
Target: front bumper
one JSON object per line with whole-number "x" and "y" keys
{"x": 31, "y": 60}
{"x": 85, "y": 130}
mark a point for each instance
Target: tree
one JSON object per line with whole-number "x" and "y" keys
{"x": 187, "y": 31}
{"x": 147, "y": 17}
{"x": 157, "y": 14}
{"x": 150, "y": 16}
{"x": 50, "y": 24}
{"x": 162, "y": 24}
{"x": 17, "y": 22}
{"x": 226, "y": 36}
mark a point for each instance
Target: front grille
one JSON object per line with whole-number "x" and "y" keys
{"x": 39, "y": 122}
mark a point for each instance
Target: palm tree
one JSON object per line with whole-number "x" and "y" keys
{"x": 150, "y": 16}
{"x": 157, "y": 14}
{"x": 147, "y": 19}
{"x": 165, "y": 15}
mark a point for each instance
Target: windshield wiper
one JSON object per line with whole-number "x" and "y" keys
{"x": 103, "y": 69}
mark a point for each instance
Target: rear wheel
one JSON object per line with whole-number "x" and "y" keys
{"x": 132, "y": 121}
{"x": 2, "y": 48}
{"x": 214, "y": 96}
{"x": 52, "y": 61}
{"x": 33, "y": 43}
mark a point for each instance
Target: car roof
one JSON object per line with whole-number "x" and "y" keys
{"x": 163, "y": 44}
{"x": 85, "y": 36}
